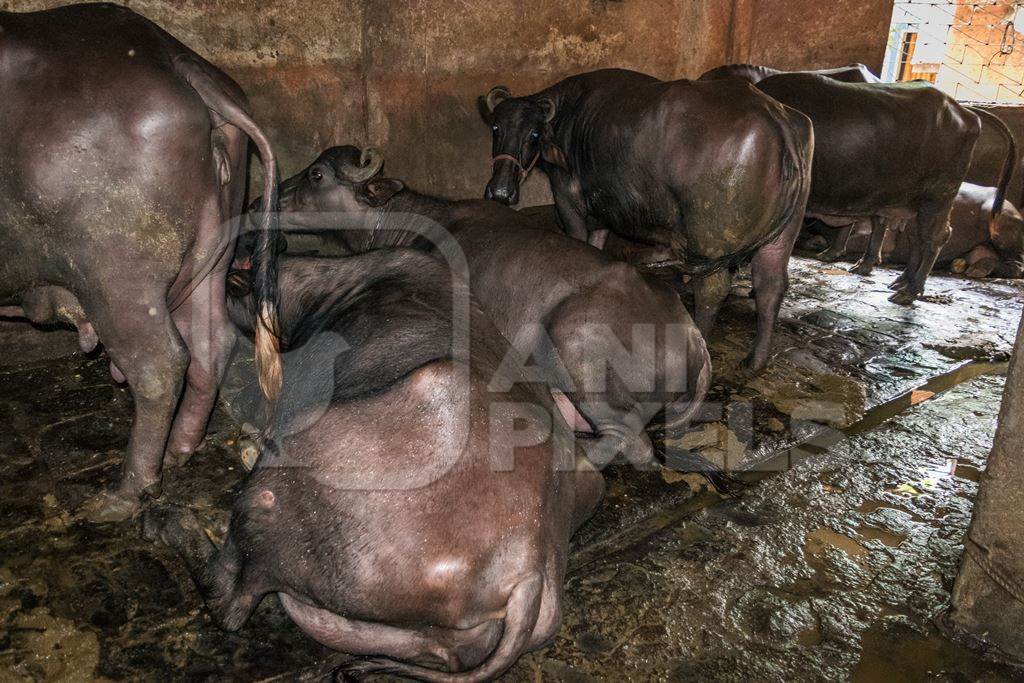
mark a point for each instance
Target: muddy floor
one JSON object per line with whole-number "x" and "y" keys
{"x": 870, "y": 429}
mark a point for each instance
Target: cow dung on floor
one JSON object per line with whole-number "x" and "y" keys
{"x": 834, "y": 563}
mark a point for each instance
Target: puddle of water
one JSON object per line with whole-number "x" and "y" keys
{"x": 895, "y": 654}
{"x": 885, "y": 537}
{"x": 818, "y": 541}
{"x": 967, "y": 471}
{"x": 811, "y": 637}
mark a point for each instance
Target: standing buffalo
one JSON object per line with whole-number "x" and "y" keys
{"x": 407, "y": 508}
{"x": 977, "y": 247}
{"x": 124, "y": 162}
{"x": 712, "y": 173}
{"x": 754, "y": 73}
{"x": 888, "y": 151}
{"x": 617, "y": 348}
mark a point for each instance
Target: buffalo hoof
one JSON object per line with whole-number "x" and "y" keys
{"x": 958, "y": 266}
{"x": 752, "y": 366}
{"x": 862, "y": 268}
{"x": 982, "y": 268}
{"x": 903, "y": 298}
{"x": 899, "y": 284}
{"x": 167, "y": 523}
{"x": 107, "y": 507}
{"x": 829, "y": 256}
{"x": 179, "y": 458}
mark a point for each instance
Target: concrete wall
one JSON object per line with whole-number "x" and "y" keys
{"x": 404, "y": 75}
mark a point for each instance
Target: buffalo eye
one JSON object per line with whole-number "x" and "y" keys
{"x": 316, "y": 175}
{"x": 495, "y": 128}
{"x": 535, "y": 135}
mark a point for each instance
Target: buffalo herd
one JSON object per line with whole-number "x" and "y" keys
{"x": 441, "y": 391}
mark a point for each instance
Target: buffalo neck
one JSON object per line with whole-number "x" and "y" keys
{"x": 417, "y": 220}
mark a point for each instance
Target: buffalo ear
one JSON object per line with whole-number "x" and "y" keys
{"x": 554, "y": 155}
{"x": 549, "y": 107}
{"x": 485, "y": 112}
{"x": 379, "y": 191}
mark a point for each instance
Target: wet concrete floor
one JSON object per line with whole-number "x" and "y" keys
{"x": 829, "y": 568}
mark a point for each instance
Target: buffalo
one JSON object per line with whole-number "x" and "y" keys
{"x": 710, "y": 174}
{"x": 117, "y": 214}
{"x": 889, "y": 152}
{"x": 401, "y": 505}
{"x": 618, "y": 348}
{"x": 754, "y": 73}
{"x": 977, "y": 247}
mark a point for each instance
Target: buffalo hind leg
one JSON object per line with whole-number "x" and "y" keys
{"x": 143, "y": 343}
{"x": 207, "y": 331}
{"x": 931, "y": 233}
{"x": 769, "y": 271}
{"x": 837, "y": 249}
{"x": 872, "y": 255}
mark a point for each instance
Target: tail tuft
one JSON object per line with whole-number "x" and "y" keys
{"x": 682, "y": 460}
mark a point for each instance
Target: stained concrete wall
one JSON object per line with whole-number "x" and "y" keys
{"x": 404, "y": 75}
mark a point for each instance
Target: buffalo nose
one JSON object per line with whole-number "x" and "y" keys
{"x": 500, "y": 194}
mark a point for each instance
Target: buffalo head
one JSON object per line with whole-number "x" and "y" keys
{"x": 519, "y": 126}
{"x": 342, "y": 181}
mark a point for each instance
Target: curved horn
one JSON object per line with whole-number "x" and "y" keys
{"x": 548, "y": 105}
{"x": 497, "y": 94}
{"x": 370, "y": 163}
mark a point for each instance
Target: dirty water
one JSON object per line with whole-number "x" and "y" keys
{"x": 869, "y": 432}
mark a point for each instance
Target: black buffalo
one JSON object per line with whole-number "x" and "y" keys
{"x": 124, "y": 162}
{"x": 708, "y": 173}
{"x": 618, "y": 348}
{"x": 402, "y": 506}
{"x": 888, "y": 151}
{"x": 755, "y": 73}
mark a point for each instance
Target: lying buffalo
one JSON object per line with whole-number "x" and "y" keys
{"x": 124, "y": 165}
{"x": 976, "y": 247}
{"x": 617, "y": 348}
{"x": 401, "y": 506}
{"x": 888, "y": 151}
{"x": 754, "y": 73}
{"x": 711, "y": 173}
{"x": 990, "y": 152}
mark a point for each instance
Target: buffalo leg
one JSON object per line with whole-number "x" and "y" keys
{"x": 932, "y": 233}
{"x": 142, "y": 341}
{"x": 770, "y": 274}
{"x": 873, "y": 252}
{"x": 709, "y": 292}
{"x": 572, "y": 220}
{"x": 204, "y": 325}
{"x": 837, "y": 249}
{"x": 618, "y": 432}
{"x": 982, "y": 261}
